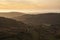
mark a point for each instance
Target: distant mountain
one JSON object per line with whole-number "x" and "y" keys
{"x": 11, "y": 14}
{"x": 46, "y": 18}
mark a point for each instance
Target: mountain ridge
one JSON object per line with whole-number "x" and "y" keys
{"x": 49, "y": 18}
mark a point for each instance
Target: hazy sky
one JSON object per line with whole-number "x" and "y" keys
{"x": 30, "y": 4}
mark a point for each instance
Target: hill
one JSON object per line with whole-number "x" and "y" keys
{"x": 31, "y": 27}
{"x": 11, "y": 14}
{"x": 46, "y": 18}
{"x": 11, "y": 29}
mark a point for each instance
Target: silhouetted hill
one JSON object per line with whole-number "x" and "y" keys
{"x": 11, "y": 29}
{"x": 46, "y": 27}
{"x": 46, "y": 18}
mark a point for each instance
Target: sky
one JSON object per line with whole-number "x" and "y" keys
{"x": 30, "y": 5}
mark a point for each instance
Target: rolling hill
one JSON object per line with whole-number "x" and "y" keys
{"x": 11, "y": 29}
{"x": 10, "y": 14}
{"x": 46, "y": 26}
{"x": 46, "y": 18}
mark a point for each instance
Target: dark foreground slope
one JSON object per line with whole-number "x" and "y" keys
{"x": 46, "y": 18}
{"x": 45, "y": 26}
{"x": 11, "y": 29}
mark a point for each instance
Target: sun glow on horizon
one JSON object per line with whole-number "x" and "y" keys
{"x": 30, "y": 11}
{"x": 31, "y": 5}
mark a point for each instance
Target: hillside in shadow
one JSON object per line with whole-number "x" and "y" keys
{"x": 31, "y": 27}
{"x": 46, "y": 18}
{"x": 11, "y": 29}
{"x": 45, "y": 26}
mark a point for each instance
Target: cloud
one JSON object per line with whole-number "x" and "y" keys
{"x": 30, "y": 4}
{"x": 33, "y": 1}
